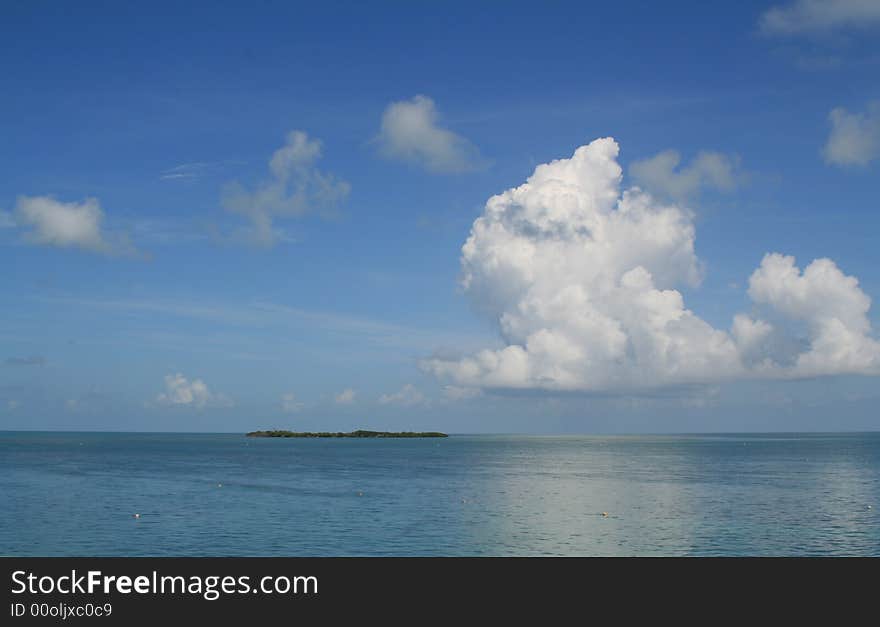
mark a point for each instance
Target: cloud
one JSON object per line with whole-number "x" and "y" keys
{"x": 407, "y": 396}
{"x": 90, "y": 401}
{"x": 581, "y": 280}
{"x": 457, "y": 393}
{"x": 295, "y": 187}
{"x": 290, "y": 404}
{"x": 67, "y": 225}
{"x": 180, "y": 391}
{"x": 345, "y": 397}
{"x": 34, "y": 360}
{"x": 410, "y": 133}
{"x": 662, "y": 175}
{"x": 185, "y": 171}
{"x": 833, "y": 309}
{"x": 817, "y": 16}
{"x": 12, "y": 405}
{"x": 855, "y": 137}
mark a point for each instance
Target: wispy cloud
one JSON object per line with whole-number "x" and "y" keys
{"x": 345, "y": 397}
{"x": 35, "y": 360}
{"x": 343, "y": 327}
{"x": 196, "y": 170}
{"x": 294, "y": 188}
{"x": 457, "y": 393}
{"x": 407, "y": 396}
{"x": 290, "y": 404}
{"x": 819, "y": 16}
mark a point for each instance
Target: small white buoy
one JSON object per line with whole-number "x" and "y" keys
{"x": 869, "y": 507}
{"x": 219, "y": 485}
{"x": 137, "y": 515}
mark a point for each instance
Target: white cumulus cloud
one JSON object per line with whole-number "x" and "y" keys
{"x": 855, "y": 137}
{"x": 662, "y": 175}
{"x": 581, "y": 278}
{"x": 295, "y": 187}
{"x": 410, "y": 132}
{"x": 407, "y": 396}
{"x": 816, "y": 16}
{"x": 181, "y": 391}
{"x": 67, "y": 224}
{"x": 832, "y": 309}
{"x": 345, "y": 397}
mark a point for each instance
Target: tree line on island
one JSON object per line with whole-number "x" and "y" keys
{"x": 360, "y": 433}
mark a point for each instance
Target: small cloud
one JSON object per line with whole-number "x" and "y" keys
{"x": 290, "y": 404}
{"x": 407, "y": 396}
{"x": 295, "y": 187}
{"x": 188, "y": 172}
{"x": 854, "y": 137}
{"x": 91, "y": 401}
{"x": 345, "y": 397}
{"x": 662, "y": 175}
{"x": 183, "y": 392}
{"x": 34, "y": 360}
{"x": 410, "y": 133}
{"x": 819, "y": 16}
{"x": 12, "y": 405}
{"x": 50, "y": 222}
{"x": 184, "y": 171}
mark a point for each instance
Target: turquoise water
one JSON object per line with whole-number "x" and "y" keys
{"x": 223, "y": 495}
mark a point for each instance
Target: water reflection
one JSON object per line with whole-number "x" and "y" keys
{"x": 486, "y": 495}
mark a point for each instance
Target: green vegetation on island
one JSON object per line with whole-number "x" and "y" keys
{"x": 360, "y": 433}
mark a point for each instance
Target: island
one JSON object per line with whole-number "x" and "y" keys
{"x": 360, "y": 433}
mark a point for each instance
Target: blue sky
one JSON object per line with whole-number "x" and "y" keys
{"x": 230, "y": 274}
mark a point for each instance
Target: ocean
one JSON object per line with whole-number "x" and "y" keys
{"x": 77, "y": 494}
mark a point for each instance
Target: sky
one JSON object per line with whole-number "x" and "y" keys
{"x": 474, "y": 217}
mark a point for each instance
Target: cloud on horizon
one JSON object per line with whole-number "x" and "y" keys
{"x": 180, "y": 391}
{"x": 410, "y": 132}
{"x": 345, "y": 397}
{"x": 580, "y": 278}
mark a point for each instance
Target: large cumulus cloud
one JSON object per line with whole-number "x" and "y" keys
{"x": 581, "y": 278}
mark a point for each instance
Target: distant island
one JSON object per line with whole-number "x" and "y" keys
{"x": 360, "y": 433}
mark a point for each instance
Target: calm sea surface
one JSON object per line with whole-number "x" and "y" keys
{"x": 219, "y": 495}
